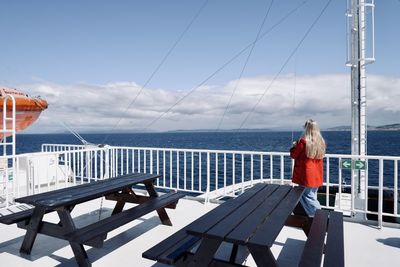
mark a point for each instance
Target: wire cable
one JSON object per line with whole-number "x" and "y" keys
{"x": 284, "y": 64}
{"x": 294, "y": 94}
{"x": 245, "y": 65}
{"x": 226, "y": 64}
{"x": 159, "y": 66}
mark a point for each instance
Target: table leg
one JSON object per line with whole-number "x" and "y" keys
{"x": 32, "y": 230}
{"x": 161, "y": 212}
{"x": 78, "y": 249}
{"x": 262, "y": 256}
{"x": 303, "y": 222}
{"x": 205, "y": 253}
{"x": 234, "y": 251}
{"x": 119, "y": 206}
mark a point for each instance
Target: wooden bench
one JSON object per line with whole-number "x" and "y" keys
{"x": 62, "y": 201}
{"x": 16, "y": 217}
{"x": 99, "y": 229}
{"x": 177, "y": 246}
{"x": 330, "y": 225}
{"x": 234, "y": 222}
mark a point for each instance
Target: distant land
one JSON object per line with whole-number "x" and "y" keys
{"x": 221, "y": 130}
{"x": 387, "y": 127}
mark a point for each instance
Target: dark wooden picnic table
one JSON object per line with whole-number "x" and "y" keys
{"x": 250, "y": 223}
{"x": 254, "y": 221}
{"x": 64, "y": 200}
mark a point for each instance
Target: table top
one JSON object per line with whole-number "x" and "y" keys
{"x": 84, "y": 192}
{"x": 261, "y": 209}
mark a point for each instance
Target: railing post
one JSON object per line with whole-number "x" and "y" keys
{"x": 395, "y": 189}
{"x": 177, "y": 169}
{"x": 184, "y": 170}
{"x": 208, "y": 177}
{"x": 262, "y": 168}
{"x": 251, "y": 169}
{"x": 380, "y": 194}
{"x": 282, "y": 169}
{"x": 242, "y": 187}
{"x": 327, "y": 181}
{"x": 151, "y": 161}
{"x": 107, "y": 164}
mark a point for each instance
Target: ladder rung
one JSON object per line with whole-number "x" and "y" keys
{"x": 7, "y": 143}
{"x": 6, "y": 131}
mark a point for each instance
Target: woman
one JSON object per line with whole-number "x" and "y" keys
{"x": 308, "y": 153}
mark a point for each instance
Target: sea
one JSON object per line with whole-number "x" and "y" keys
{"x": 382, "y": 143}
{"x": 338, "y": 142}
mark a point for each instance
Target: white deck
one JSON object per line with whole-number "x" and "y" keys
{"x": 364, "y": 245}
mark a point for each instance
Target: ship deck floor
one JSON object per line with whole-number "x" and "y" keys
{"x": 364, "y": 245}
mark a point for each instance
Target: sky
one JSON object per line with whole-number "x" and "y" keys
{"x": 156, "y": 65}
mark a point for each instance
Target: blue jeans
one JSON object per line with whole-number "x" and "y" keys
{"x": 309, "y": 200}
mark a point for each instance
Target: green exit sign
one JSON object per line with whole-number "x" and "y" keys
{"x": 356, "y": 164}
{"x": 345, "y": 164}
{"x": 360, "y": 165}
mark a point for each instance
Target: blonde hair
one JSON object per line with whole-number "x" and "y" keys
{"x": 315, "y": 143}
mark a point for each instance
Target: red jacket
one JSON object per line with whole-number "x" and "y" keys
{"x": 307, "y": 172}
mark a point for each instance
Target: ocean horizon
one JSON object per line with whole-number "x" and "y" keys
{"x": 380, "y": 143}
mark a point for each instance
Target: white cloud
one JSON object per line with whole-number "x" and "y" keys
{"x": 326, "y": 98}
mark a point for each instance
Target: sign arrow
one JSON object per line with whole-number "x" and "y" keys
{"x": 346, "y": 164}
{"x": 360, "y": 165}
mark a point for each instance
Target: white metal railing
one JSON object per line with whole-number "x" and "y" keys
{"x": 44, "y": 171}
{"x": 207, "y": 173}
{"x": 7, "y": 137}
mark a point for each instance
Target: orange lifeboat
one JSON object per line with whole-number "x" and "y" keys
{"x": 28, "y": 108}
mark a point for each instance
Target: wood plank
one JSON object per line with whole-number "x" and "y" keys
{"x": 108, "y": 224}
{"x": 163, "y": 250}
{"x": 245, "y": 230}
{"x": 129, "y": 198}
{"x": 179, "y": 250}
{"x": 214, "y": 263}
{"x": 334, "y": 251}
{"x": 78, "y": 188}
{"x": 269, "y": 230}
{"x": 16, "y": 217}
{"x": 74, "y": 195}
{"x": 228, "y": 224}
{"x": 211, "y": 218}
{"x": 172, "y": 241}
{"x": 92, "y": 193}
{"x": 314, "y": 247}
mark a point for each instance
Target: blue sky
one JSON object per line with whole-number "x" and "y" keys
{"x": 67, "y": 44}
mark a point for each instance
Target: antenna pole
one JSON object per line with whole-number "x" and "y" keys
{"x": 357, "y": 60}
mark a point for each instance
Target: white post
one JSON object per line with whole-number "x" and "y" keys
{"x": 357, "y": 60}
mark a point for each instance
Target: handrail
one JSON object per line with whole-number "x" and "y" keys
{"x": 207, "y": 173}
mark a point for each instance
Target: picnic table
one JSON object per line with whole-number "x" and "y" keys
{"x": 64, "y": 200}
{"x": 252, "y": 222}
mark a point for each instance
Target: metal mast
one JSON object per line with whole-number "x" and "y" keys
{"x": 360, "y": 40}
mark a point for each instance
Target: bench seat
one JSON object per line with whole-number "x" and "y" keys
{"x": 102, "y": 227}
{"x": 18, "y": 216}
{"x": 330, "y": 225}
{"x": 171, "y": 249}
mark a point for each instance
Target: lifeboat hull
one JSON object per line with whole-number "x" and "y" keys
{"x": 23, "y": 120}
{"x": 28, "y": 110}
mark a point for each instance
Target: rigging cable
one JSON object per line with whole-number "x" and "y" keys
{"x": 75, "y": 133}
{"x": 245, "y": 65}
{"x": 294, "y": 95}
{"x": 159, "y": 66}
{"x": 226, "y": 63}
{"x": 285, "y": 63}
